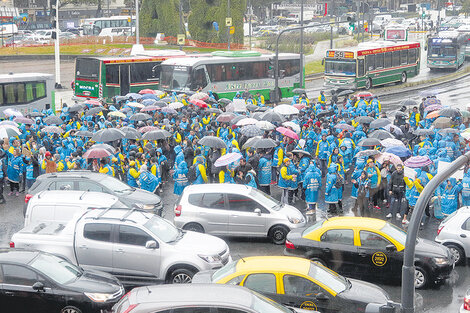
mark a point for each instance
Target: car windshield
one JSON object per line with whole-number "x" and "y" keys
{"x": 336, "y": 67}
{"x": 395, "y": 232}
{"x": 56, "y": 268}
{"x": 261, "y": 304}
{"x": 115, "y": 185}
{"x": 438, "y": 51}
{"x": 224, "y": 271}
{"x": 327, "y": 277}
{"x": 163, "y": 229}
{"x": 265, "y": 199}
{"x": 312, "y": 228}
{"x": 175, "y": 77}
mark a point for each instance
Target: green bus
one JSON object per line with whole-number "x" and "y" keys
{"x": 227, "y": 73}
{"x": 371, "y": 64}
{"x": 446, "y": 50}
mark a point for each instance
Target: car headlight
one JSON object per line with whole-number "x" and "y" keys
{"x": 98, "y": 297}
{"x": 210, "y": 258}
{"x": 294, "y": 220}
{"x": 441, "y": 261}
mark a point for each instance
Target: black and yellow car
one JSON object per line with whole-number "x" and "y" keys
{"x": 297, "y": 282}
{"x": 369, "y": 249}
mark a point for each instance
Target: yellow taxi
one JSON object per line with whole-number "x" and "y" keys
{"x": 297, "y": 282}
{"x": 368, "y": 248}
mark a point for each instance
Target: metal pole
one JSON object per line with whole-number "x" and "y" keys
{"x": 363, "y": 16}
{"x": 57, "y": 48}
{"x": 181, "y": 21}
{"x": 408, "y": 269}
{"x": 109, "y": 13}
{"x": 137, "y": 30}
{"x": 331, "y": 36}
{"x": 250, "y": 11}
{"x": 301, "y": 63}
{"x": 358, "y": 15}
{"x": 228, "y": 27}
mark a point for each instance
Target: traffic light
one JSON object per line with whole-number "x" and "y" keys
{"x": 352, "y": 22}
{"x": 271, "y": 67}
{"x": 54, "y": 35}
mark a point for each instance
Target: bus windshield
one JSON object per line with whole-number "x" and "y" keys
{"x": 438, "y": 51}
{"x": 87, "y": 68}
{"x": 340, "y": 67}
{"x": 175, "y": 77}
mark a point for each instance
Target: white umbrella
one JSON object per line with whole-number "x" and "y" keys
{"x": 8, "y": 131}
{"x": 247, "y": 121}
{"x": 8, "y": 123}
{"x": 265, "y": 125}
{"x": 391, "y": 142}
{"x": 286, "y": 109}
{"x": 396, "y": 129}
{"x": 199, "y": 95}
{"x": 135, "y": 105}
{"x": 12, "y": 112}
{"x": 292, "y": 125}
{"x": 176, "y": 105}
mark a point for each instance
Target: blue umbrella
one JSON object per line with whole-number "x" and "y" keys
{"x": 148, "y": 102}
{"x": 134, "y": 95}
{"x": 149, "y": 96}
{"x": 400, "y": 151}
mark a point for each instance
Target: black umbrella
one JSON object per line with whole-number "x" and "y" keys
{"x": 236, "y": 119}
{"x": 225, "y": 101}
{"x": 302, "y": 152}
{"x": 400, "y": 114}
{"x": 257, "y": 115}
{"x": 369, "y": 142}
{"x": 75, "y": 108}
{"x": 364, "y": 119}
{"x": 345, "y": 92}
{"x": 450, "y": 112}
{"x": 121, "y": 98}
{"x": 94, "y": 111}
{"x": 272, "y": 117}
{"x": 108, "y": 134}
{"x": 84, "y": 133}
{"x": 214, "y": 110}
{"x": 260, "y": 143}
{"x": 251, "y": 107}
{"x": 140, "y": 117}
{"x": 156, "y": 134}
{"x": 366, "y": 153}
{"x": 251, "y": 131}
{"x": 213, "y": 142}
{"x": 325, "y": 113}
{"x": 104, "y": 146}
{"x": 210, "y": 100}
{"x": 53, "y": 120}
{"x": 35, "y": 114}
{"x": 298, "y": 91}
{"x": 449, "y": 131}
{"x": 423, "y": 132}
{"x": 381, "y": 134}
{"x": 409, "y": 102}
{"x": 380, "y": 122}
{"x": 131, "y": 133}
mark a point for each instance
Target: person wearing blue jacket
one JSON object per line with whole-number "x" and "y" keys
{"x": 180, "y": 177}
{"x": 147, "y": 180}
{"x": 285, "y": 181}
{"x": 449, "y": 196}
{"x": 311, "y": 184}
{"x": 322, "y": 153}
{"x": 466, "y": 189}
{"x": 362, "y": 184}
{"x": 331, "y": 190}
{"x": 15, "y": 162}
{"x": 265, "y": 173}
{"x": 2, "y": 198}
{"x": 250, "y": 177}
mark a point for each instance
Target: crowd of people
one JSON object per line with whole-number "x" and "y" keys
{"x": 311, "y": 153}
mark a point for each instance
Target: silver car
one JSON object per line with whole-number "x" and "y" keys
{"x": 454, "y": 232}
{"x": 235, "y": 210}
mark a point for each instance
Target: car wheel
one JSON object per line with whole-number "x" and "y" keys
{"x": 319, "y": 261}
{"x": 278, "y": 234}
{"x": 403, "y": 77}
{"x": 181, "y": 276}
{"x": 368, "y": 83}
{"x": 194, "y": 227}
{"x": 421, "y": 278}
{"x": 70, "y": 309}
{"x": 457, "y": 253}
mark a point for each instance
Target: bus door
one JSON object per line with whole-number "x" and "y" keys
{"x": 124, "y": 82}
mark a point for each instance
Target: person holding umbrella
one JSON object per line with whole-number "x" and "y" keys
{"x": 285, "y": 181}
{"x": 201, "y": 177}
{"x": 265, "y": 172}
{"x": 311, "y": 185}
{"x": 323, "y": 147}
{"x": 226, "y": 175}
{"x": 180, "y": 177}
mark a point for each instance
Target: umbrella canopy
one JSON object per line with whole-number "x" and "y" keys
{"x": 364, "y": 94}
{"x": 156, "y": 134}
{"x": 302, "y": 152}
{"x": 299, "y": 106}
{"x": 346, "y": 92}
{"x": 167, "y": 100}
{"x": 260, "y": 143}
{"x": 298, "y": 91}
{"x": 96, "y": 153}
{"x": 103, "y": 146}
{"x": 108, "y": 134}
{"x": 146, "y": 129}
{"x": 227, "y": 159}
{"x": 35, "y": 114}
{"x": 134, "y": 95}
{"x": 432, "y": 114}
{"x": 287, "y": 132}
{"x": 449, "y": 131}
{"x": 210, "y": 100}
{"x": 364, "y": 119}
{"x": 135, "y": 105}
{"x": 380, "y": 122}
{"x": 148, "y": 102}
{"x": 12, "y": 112}
{"x": 131, "y": 133}
{"x": 149, "y": 96}
{"x": 450, "y": 112}
{"x": 433, "y": 107}
{"x": 176, "y": 105}
{"x": 225, "y": 117}
{"x": 213, "y": 142}
{"x": 94, "y": 111}
{"x": 169, "y": 110}
{"x": 75, "y": 108}
{"x": 52, "y": 130}
{"x": 146, "y": 91}
{"x": 23, "y": 120}
{"x": 161, "y": 104}
{"x": 265, "y": 125}
{"x": 286, "y": 109}
{"x": 367, "y": 153}
{"x": 423, "y": 132}
{"x": 199, "y": 96}
{"x": 121, "y": 98}
{"x": 381, "y": 134}
{"x": 225, "y": 101}
{"x": 442, "y": 122}
{"x": 9, "y": 123}
{"x": 215, "y": 110}
{"x": 295, "y": 127}
{"x": 84, "y": 133}
{"x": 418, "y": 161}
{"x": 272, "y": 117}
{"x": 409, "y": 103}
{"x": 345, "y": 126}
{"x": 8, "y": 131}
{"x": 391, "y": 142}
{"x": 399, "y": 151}
{"x": 140, "y": 117}
{"x": 199, "y": 103}
{"x": 326, "y": 113}
{"x": 251, "y": 107}
{"x": 393, "y": 129}
{"x": 385, "y": 156}
{"x": 117, "y": 114}
{"x": 92, "y": 102}
{"x": 369, "y": 142}
{"x": 251, "y": 131}
{"x": 53, "y": 120}
{"x": 151, "y": 108}
{"x": 246, "y": 121}
{"x": 432, "y": 101}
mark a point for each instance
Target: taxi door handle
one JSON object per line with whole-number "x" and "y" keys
{"x": 326, "y": 250}
{"x": 363, "y": 254}
{"x": 463, "y": 235}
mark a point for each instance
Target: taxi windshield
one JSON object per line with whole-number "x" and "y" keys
{"x": 224, "y": 271}
{"x": 395, "y": 232}
{"x": 327, "y": 277}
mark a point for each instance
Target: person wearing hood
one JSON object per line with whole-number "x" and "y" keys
{"x": 105, "y": 168}
{"x": 466, "y": 188}
{"x": 354, "y": 177}
{"x": 147, "y": 180}
{"x": 362, "y": 184}
{"x": 375, "y": 177}
{"x": 132, "y": 174}
{"x": 201, "y": 177}
{"x": 179, "y": 156}
{"x": 331, "y": 189}
{"x": 250, "y": 177}
{"x": 322, "y": 152}
{"x": 449, "y": 193}
{"x": 265, "y": 173}
{"x": 397, "y": 188}
{"x": 180, "y": 177}
{"x": 285, "y": 181}
{"x": 15, "y": 163}
{"x": 311, "y": 184}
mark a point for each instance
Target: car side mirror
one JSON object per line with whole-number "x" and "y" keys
{"x": 38, "y": 286}
{"x": 257, "y": 211}
{"x": 391, "y": 248}
{"x": 321, "y": 296}
{"x": 151, "y": 244}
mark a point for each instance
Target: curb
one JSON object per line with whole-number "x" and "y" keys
{"x": 29, "y": 57}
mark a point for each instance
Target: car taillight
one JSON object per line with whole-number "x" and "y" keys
{"x": 439, "y": 229}
{"x": 466, "y": 304}
{"x": 289, "y": 245}
{"x": 12, "y": 244}
{"x": 27, "y": 197}
{"x": 130, "y": 308}
{"x": 178, "y": 210}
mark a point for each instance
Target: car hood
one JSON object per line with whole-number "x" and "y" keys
{"x": 428, "y": 248}
{"x": 201, "y": 243}
{"x": 203, "y": 277}
{"x": 95, "y": 281}
{"x": 139, "y": 196}
{"x": 291, "y": 211}
{"x": 364, "y": 292}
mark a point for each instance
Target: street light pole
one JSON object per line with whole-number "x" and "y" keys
{"x": 228, "y": 27}
{"x": 137, "y": 30}
{"x": 250, "y": 13}
{"x": 181, "y": 22}
{"x": 301, "y": 42}
{"x": 57, "y": 48}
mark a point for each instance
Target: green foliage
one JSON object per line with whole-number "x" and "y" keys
{"x": 205, "y": 12}
{"x": 466, "y": 7}
{"x": 159, "y": 16}
{"x": 290, "y": 42}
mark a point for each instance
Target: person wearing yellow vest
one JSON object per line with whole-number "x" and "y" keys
{"x": 105, "y": 168}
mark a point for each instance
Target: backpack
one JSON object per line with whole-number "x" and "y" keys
{"x": 192, "y": 176}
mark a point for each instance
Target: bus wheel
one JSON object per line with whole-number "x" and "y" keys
{"x": 403, "y": 77}
{"x": 368, "y": 83}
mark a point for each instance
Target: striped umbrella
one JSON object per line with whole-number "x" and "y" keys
{"x": 418, "y": 161}
{"x": 228, "y": 159}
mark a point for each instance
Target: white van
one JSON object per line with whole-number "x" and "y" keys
{"x": 62, "y": 205}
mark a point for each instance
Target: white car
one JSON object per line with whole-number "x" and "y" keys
{"x": 454, "y": 233}
{"x": 235, "y": 210}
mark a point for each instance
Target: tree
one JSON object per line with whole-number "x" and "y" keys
{"x": 466, "y": 7}
{"x": 159, "y": 16}
{"x": 205, "y": 12}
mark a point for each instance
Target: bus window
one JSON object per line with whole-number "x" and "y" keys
{"x": 87, "y": 68}
{"x": 10, "y": 93}
{"x": 388, "y": 60}
{"x": 379, "y": 60}
{"x": 21, "y": 93}
{"x": 290, "y": 67}
{"x": 199, "y": 79}
{"x": 112, "y": 74}
{"x": 370, "y": 62}
{"x": 145, "y": 72}
{"x": 396, "y": 58}
{"x": 412, "y": 56}
{"x": 360, "y": 67}
{"x": 404, "y": 57}
{"x": 1, "y": 95}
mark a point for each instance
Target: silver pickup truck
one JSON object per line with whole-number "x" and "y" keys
{"x": 137, "y": 247}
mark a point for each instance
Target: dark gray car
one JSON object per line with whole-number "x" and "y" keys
{"x": 92, "y": 181}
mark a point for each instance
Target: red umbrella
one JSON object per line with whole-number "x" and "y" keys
{"x": 287, "y": 132}
{"x": 364, "y": 94}
{"x": 199, "y": 103}
{"x": 147, "y": 129}
{"x": 145, "y": 91}
{"x": 299, "y": 106}
{"x": 93, "y": 102}
{"x": 96, "y": 153}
